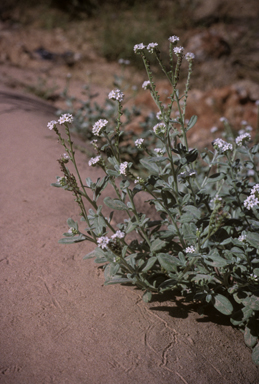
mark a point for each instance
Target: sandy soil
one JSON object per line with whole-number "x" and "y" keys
{"x": 59, "y": 324}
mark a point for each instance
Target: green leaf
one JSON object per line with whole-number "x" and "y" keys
{"x": 89, "y": 255}
{"x": 110, "y": 270}
{"x": 241, "y": 316}
{"x": 255, "y": 354}
{"x": 115, "y": 204}
{"x": 151, "y": 261}
{"x": 193, "y": 210}
{"x": 147, "y": 297}
{"x": 111, "y": 172}
{"x": 168, "y": 198}
{"x": 118, "y": 280}
{"x": 215, "y": 260}
{"x": 152, "y": 167}
{"x": 250, "y": 338}
{"x": 157, "y": 245}
{"x": 72, "y": 224}
{"x": 216, "y": 177}
{"x": 71, "y": 240}
{"x": 253, "y": 239}
{"x": 222, "y": 304}
{"x": 168, "y": 262}
{"x": 192, "y": 122}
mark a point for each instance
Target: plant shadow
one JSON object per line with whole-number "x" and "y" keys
{"x": 181, "y": 309}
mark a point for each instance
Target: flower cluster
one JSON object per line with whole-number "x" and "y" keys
{"x": 189, "y": 56}
{"x": 253, "y": 199}
{"x": 98, "y": 126}
{"x": 159, "y": 128}
{"x": 123, "y": 62}
{"x": 190, "y": 249}
{"x": 123, "y": 168}
{"x": 139, "y": 143}
{"x": 139, "y": 180}
{"x": 159, "y": 115}
{"x": 139, "y": 47}
{"x": 173, "y": 39}
{"x": 151, "y": 47}
{"x": 103, "y": 241}
{"x": 51, "y": 124}
{"x": 62, "y": 181}
{"x": 65, "y": 156}
{"x": 216, "y": 200}
{"x": 178, "y": 50}
{"x": 94, "y": 160}
{"x": 66, "y": 118}
{"x": 240, "y": 140}
{"x": 242, "y": 238}
{"x": 222, "y": 146}
{"x": 159, "y": 151}
{"x": 73, "y": 231}
{"x": 116, "y": 95}
{"x": 146, "y": 85}
{"x": 118, "y": 234}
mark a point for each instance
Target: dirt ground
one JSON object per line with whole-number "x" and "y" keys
{"x": 59, "y": 324}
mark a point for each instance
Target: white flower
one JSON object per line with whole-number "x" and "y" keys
{"x": 62, "y": 181}
{"x": 242, "y": 237}
{"x": 159, "y": 128}
{"x": 257, "y": 102}
{"x": 251, "y": 201}
{"x": 73, "y": 231}
{"x": 159, "y": 151}
{"x": 151, "y": 47}
{"x": 139, "y": 180}
{"x": 178, "y": 50}
{"x": 123, "y": 168}
{"x": 241, "y": 131}
{"x": 190, "y": 249}
{"x": 51, "y": 124}
{"x": 255, "y": 189}
{"x": 139, "y": 47}
{"x": 189, "y": 56}
{"x": 124, "y": 62}
{"x": 146, "y": 85}
{"x": 66, "y": 118}
{"x": 173, "y": 39}
{"x": 216, "y": 200}
{"x": 116, "y": 95}
{"x": 94, "y": 160}
{"x": 139, "y": 143}
{"x": 243, "y": 122}
{"x": 98, "y": 126}
{"x": 240, "y": 140}
{"x": 214, "y": 129}
{"x": 159, "y": 115}
{"x": 249, "y": 128}
{"x": 250, "y": 172}
{"x": 65, "y": 156}
{"x": 222, "y": 146}
{"x": 119, "y": 234}
{"x": 103, "y": 241}
{"x": 223, "y": 119}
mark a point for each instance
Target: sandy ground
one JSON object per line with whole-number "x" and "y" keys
{"x": 59, "y": 324}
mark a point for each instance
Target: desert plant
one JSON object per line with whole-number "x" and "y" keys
{"x": 203, "y": 235}
{"x": 86, "y": 111}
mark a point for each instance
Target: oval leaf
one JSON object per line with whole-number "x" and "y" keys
{"x": 115, "y": 204}
{"x": 255, "y": 354}
{"x": 223, "y": 305}
{"x": 250, "y": 339}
